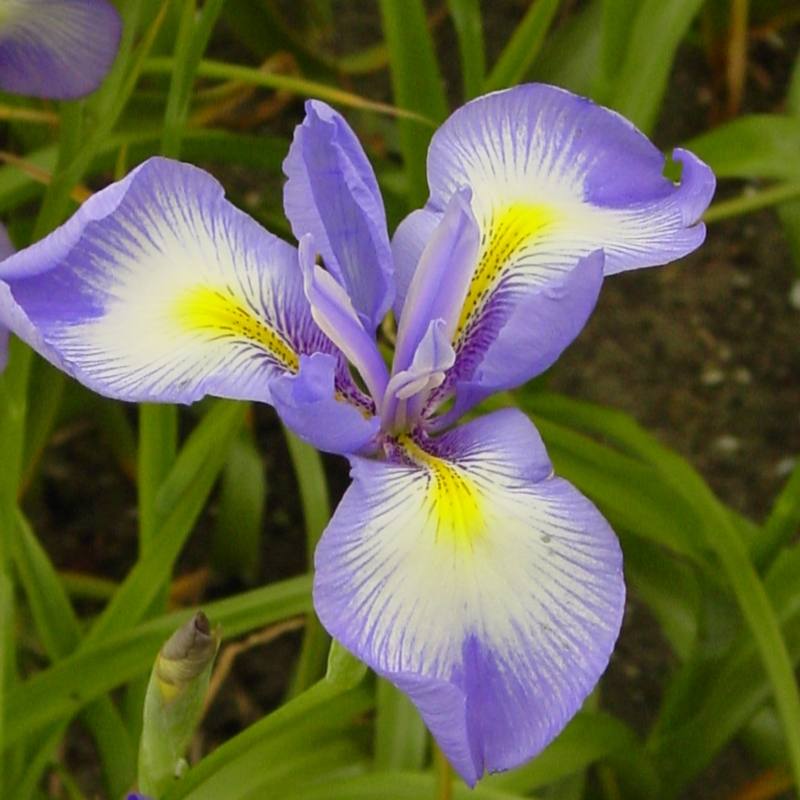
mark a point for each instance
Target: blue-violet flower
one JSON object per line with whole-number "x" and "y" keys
{"x": 457, "y": 565}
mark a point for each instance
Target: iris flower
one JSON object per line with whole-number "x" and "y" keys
{"x": 60, "y": 49}
{"x": 457, "y": 565}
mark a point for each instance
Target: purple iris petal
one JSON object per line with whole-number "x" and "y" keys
{"x": 332, "y": 194}
{"x": 519, "y": 336}
{"x": 604, "y": 180}
{"x": 334, "y": 418}
{"x": 409, "y": 241}
{"x": 60, "y": 49}
{"x": 488, "y": 590}
{"x": 158, "y": 289}
{"x": 6, "y": 249}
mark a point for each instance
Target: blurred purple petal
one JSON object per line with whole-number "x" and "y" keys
{"x": 333, "y": 195}
{"x": 488, "y": 590}
{"x": 6, "y": 249}
{"x": 158, "y": 289}
{"x": 409, "y": 241}
{"x": 61, "y": 49}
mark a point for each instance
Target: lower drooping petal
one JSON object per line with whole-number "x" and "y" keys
{"x": 59, "y": 49}
{"x": 488, "y": 590}
{"x": 159, "y": 289}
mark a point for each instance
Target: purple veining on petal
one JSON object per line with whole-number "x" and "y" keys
{"x": 60, "y": 49}
{"x": 495, "y": 673}
{"x": 517, "y": 338}
{"x": 74, "y": 279}
{"x": 540, "y": 144}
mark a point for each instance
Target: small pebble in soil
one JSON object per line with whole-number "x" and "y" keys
{"x": 794, "y": 295}
{"x": 742, "y": 376}
{"x": 784, "y": 467}
{"x": 712, "y": 376}
{"x": 727, "y": 445}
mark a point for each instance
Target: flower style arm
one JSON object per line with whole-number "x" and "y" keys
{"x": 60, "y": 49}
{"x": 488, "y": 590}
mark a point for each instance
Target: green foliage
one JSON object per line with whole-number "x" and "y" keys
{"x": 724, "y": 591}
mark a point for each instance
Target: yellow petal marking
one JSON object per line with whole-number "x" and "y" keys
{"x": 509, "y": 231}
{"x": 455, "y": 506}
{"x": 219, "y": 313}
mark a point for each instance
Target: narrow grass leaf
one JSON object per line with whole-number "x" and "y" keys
{"x": 315, "y": 702}
{"x": 235, "y": 547}
{"x": 659, "y": 28}
{"x": 466, "y": 16}
{"x": 395, "y": 786}
{"x": 722, "y": 535}
{"x": 590, "y": 737}
{"x": 60, "y": 691}
{"x": 45, "y": 387}
{"x": 7, "y": 669}
{"x": 179, "y": 504}
{"x": 59, "y": 631}
{"x": 302, "y": 751}
{"x": 400, "y": 733}
{"x": 782, "y": 523}
{"x": 417, "y": 85}
{"x": 315, "y": 501}
{"x": 516, "y": 59}
{"x": 53, "y": 616}
{"x": 617, "y": 22}
{"x": 756, "y": 146}
{"x": 670, "y": 588}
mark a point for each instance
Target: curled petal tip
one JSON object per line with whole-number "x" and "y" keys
{"x": 697, "y": 185}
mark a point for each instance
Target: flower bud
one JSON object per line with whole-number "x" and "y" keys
{"x": 174, "y": 701}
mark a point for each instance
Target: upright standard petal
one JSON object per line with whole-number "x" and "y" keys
{"x": 59, "y": 49}
{"x": 158, "y": 289}
{"x": 333, "y": 195}
{"x": 488, "y": 590}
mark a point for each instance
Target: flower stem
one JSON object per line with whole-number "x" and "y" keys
{"x": 444, "y": 774}
{"x": 752, "y": 201}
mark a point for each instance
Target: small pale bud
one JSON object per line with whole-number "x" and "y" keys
{"x": 174, "y": 701}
